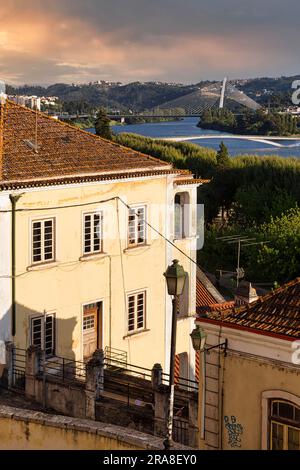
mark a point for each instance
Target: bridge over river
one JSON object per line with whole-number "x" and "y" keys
{"x": 266, "y": 139}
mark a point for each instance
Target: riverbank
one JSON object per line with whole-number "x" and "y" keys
{"x": 260, "y": 122}
{"x": 188, "y": 129}
{"x": 90, "y": 123}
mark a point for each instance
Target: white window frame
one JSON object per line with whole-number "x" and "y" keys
{"x": 93, "y": 251}
{"x": 267, "y": 396}
{"x": 135, "y": 328}
{"x": 135, "y": 208}
{"x": 53, "y": 339}
{"x": 182, "y": 211}
{"x": 43, "y": 259}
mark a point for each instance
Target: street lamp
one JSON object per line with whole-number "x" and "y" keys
{"x": 198, "y": 337}
{"x": 175, "y": 277}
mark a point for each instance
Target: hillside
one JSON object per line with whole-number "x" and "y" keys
{"x": 142, "y": 96}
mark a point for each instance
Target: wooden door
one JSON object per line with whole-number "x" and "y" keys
{"x": 92, "y": 337}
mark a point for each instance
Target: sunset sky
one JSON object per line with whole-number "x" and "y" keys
{"x": 48, "y": 41}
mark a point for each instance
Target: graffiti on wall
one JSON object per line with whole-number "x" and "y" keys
{"x": 234, "y": 430}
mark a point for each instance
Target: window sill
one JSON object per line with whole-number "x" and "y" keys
{"x": 135, "y": 247}
{"x": 192, "y": 237}
{"x": 40, "y": 266}
{"x": 93, "y": 256}
{"x": 135, "y": 333}
{"x": 185, "y": 317}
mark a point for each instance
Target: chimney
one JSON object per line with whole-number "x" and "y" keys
{"x": 245, "y": 294}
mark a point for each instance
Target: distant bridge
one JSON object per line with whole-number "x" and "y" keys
{"x": 265, "y": 139}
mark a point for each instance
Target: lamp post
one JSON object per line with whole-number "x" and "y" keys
{"x": 198, "y": 337}
{"x": 175, "y": 277}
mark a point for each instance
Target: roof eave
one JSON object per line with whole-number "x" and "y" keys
{"x": 245, "y": 328}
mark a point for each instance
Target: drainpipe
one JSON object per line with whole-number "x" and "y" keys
{"x": 110, "y": 306}
{"x": 13, "y": 199}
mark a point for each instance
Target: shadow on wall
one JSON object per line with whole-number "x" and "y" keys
{"x": 30, "y": 329}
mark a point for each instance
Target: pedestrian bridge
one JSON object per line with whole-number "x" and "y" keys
{"x": 264, "y": 139}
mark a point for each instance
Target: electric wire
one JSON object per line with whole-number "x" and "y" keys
{"x": 57, "y": 265}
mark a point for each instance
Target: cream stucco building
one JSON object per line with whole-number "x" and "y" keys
{"x": 87, "y": 229}
{"x": 250, "y": 396}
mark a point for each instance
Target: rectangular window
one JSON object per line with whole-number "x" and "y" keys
{"x": 43, "y": 333}
{"x": 43, "y": 241}
{"x": 92, "y": 233}
{"x": 137, "y": 226}
{"x": 136, "y": 304}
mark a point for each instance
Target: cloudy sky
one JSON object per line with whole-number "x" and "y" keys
{"x": 47, "y": 41}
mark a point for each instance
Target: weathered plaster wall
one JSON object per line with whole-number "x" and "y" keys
{"x": 245, "y": 380}
{"x": 31, "y": 430}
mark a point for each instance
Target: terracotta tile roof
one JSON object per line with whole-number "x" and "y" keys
{"x": 203, "y": 296}
{"x": 206, "y": 292}
{"x": 275, "y": 313}
{"x": 181, "y": 181}
{"x": 217, "y": 307}
{"x": 62, "y": 151}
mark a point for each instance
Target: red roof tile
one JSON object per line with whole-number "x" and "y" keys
{"x": 203, "y": 296}
{"x": 277, "y": 312}
{"x": 182, "y": 181}
{"x": 62, "y": 151}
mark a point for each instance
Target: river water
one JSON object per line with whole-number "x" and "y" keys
{"x": 188, "y": 127}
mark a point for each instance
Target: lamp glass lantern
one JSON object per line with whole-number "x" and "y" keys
{"x": 198, "y": 337}
{"x": 175, "y": 276}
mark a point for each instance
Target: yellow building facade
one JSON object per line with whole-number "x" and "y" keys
{"x": 83, "y": 250}
{"x": 250, "y": 394}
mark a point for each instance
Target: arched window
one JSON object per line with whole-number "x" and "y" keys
{"x": 181, "y": 215}
{"x": 284, "y": 425}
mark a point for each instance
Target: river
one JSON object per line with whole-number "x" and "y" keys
{"x": 188, "y": 127}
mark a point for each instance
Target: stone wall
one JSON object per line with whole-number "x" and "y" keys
{"x": 31, "y": 430}
{"x": 109, "y": 395}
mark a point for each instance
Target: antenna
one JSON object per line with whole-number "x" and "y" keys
{"x": 241, "y": 241}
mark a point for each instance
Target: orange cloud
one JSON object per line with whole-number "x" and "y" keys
{"x": 42, "y": 47}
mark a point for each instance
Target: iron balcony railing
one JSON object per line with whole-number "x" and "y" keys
{"x": 64, "y": 369}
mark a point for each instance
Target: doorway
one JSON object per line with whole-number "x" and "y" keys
{"x": 92, "y": 329}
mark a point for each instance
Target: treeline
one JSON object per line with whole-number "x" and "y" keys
{"x": 256, "y": 123}
{"x": 259, "y": 196}
{"x": 275, "y": 260}
{"x": 162, "y": 115}
{"x": 201, "y": 161}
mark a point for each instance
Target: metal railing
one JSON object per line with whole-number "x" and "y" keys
{"x": 119, "y": 363}
{"x": 113, "y": 354}
{"x": 181, "y": 430}
{"x": 129, "y": 369}
{"x": 66, "y": 370}
{"x": 121, "y": 387}
{"x": 18, "y": 368}
{"x": 181, "y": 382}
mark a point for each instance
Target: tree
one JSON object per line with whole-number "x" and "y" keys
{"x": 279, "y": 259}
{"x": 223, "y": 159}
{"x": 102, "y": 125}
